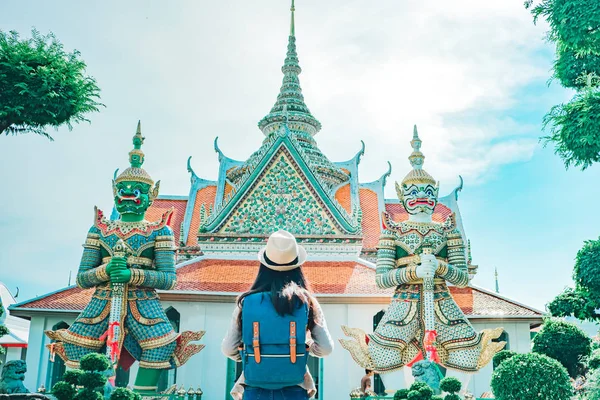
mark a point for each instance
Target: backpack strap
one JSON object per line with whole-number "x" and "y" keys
{"x": 293, "y": 341}
{"x": 256, "y": 341}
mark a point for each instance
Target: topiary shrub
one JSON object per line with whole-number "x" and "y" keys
{"x": 72, "y": 376}
{"x": 450, "y": 385}
{"x": 94, "y": 362}
{"x": 64, "y": 390}
{"x": 531, "y": 376}
{"x": 437, "y": 397}
{"x": 124, "y": 394}
{"x": 565, "y": 342}
{"x": 501, "y": 356}
{"x": 92, "y": 379}
{"x": 419, "y": 391}
{"x": 401, "y": 394}
{"x": 452, "y": 396}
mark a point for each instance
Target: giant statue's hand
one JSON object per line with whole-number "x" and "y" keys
{"x": 428, "y": 266}
{"x": 115, "y": 264}
{"x": 120, "y": 276}
{"x": 117, "y": 270}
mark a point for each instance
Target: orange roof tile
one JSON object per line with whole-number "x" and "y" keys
{"x": 204, "y": 196}
{"x": 370, "y": 218}
{"x": 326, "y": 277}
{"x": 398, "y": 213}
{"x": 343, "y": 197}
{"x": 160, "y": 206}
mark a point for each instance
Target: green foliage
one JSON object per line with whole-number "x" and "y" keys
{"x": 88, "y": 394}
{"x": 565, "y": 342}
{"x": 575, "y": 302}
{"x": 63, "y": 390}
{"x": 501, "y": 356}
{"x": 437, "y": 397}
{"x": 419, "y": 391}
{"x": 572, "y": 69}
{"x": 531, "y": 376}
{"x": 592, "y": 386}
{"x": 72, "y": 376}
{"x": 124, "y": 394}
{"x": 41, "y": 85}
{"x": 573, "y": 23}
{"x": 94, "y": 362}
{"x": 452, "y": 396}
{"x": 92, "y": 380}
{"x": 593, "y": 361}
{"x": 574, "y": 129}
{"x": 401, "y": 394}
{"x": 587, "y": 266}
{"x": 575, "y": 30}
{"x": 450, "y": 385}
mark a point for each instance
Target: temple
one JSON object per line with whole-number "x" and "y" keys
{"x": 219, "y": 226}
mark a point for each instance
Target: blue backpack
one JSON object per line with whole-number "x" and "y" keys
{"x": 274, "y": 352}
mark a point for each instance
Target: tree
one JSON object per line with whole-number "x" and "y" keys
{"x": 531, "y": 376}
{"x": 583, "y": 301}
{"x": 575, "y": 31}
{"x": 566, "y": 343}
{"x": 42, "y": 85}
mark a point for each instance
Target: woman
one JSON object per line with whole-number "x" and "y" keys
{"x": 279, "y": 298}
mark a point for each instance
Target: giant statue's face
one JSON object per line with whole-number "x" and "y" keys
{"x": 132, "y": 197}
{"x": 419, "y": 198}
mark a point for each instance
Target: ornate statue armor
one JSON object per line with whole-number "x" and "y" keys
{"x": 400, "y": 337}
{"x": 147, "y": 253}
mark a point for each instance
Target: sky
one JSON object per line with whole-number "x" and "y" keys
{"x": 472, "y": 75}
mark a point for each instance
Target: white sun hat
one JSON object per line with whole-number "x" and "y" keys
{"x": 282, "y": 253}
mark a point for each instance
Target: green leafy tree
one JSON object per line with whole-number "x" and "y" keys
{"x": 566, "y": 343}
{"x": 593, "y": 361}
{"x": 401, "y": 394}
{"x": 42, "y": 85}
{"x": 124, "y": 394}
{"x": 531, "y": 376}
{"x": 583, "y": 301}
{"x": 575, "y": 31}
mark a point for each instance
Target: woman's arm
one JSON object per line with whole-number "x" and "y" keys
{"x": 233, "y": 338}
{"x": 320, "y": 343}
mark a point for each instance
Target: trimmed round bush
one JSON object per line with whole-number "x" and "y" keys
{"x": 564, "y": 342}
{"x": 501, "y": 356}
{"x": 420, "y": 391}
{"x": 63, "y": 391}
{"x": 94, "y": 362}
{"x": 92, "y": 380}
{"x": 531, "y": 376}
{"x": 437, "y": 397}
{"x": 452, "y": 396}
{"x": 401, "y": 394}
{"x": 72, "y": 376}
{"x": 123, "y": 394}
{"x": 89, "y": 394}
{"x": 450, "y": 385}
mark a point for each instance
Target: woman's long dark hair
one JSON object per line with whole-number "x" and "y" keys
{"x": 288, "y": 290}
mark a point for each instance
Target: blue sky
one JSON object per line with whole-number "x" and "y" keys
{"x": 472, "y": 75}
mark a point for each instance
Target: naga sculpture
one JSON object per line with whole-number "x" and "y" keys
{"x": 13, "y": 375}
{"x": 126, "y": 260}
{"x": 423, "y": 322}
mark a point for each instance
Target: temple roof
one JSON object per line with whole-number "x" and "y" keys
{"x": 329, "y": 280}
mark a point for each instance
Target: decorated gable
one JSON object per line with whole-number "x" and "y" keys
{"x": 282, "y": 197}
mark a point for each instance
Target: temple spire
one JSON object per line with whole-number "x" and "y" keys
{"x": 496, "y": 279}
{"x": 290, "y": 94}
{"x": 292, "y": 24}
